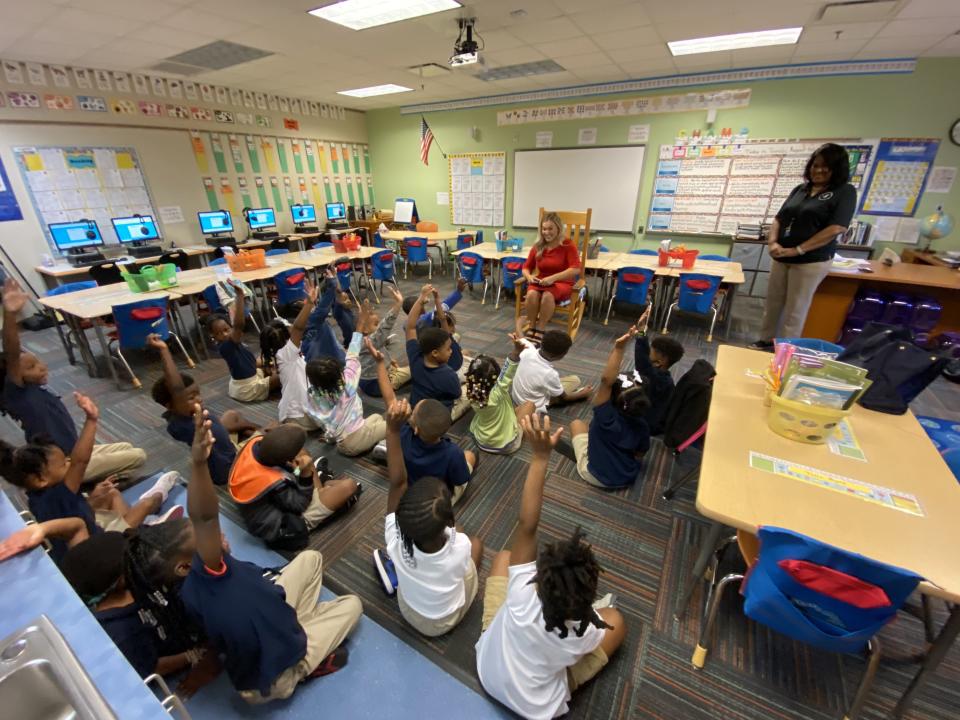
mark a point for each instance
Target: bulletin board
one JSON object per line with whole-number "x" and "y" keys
{"x": 93, "y": 183}
{"x": 710, "y": 189}
{"x": 900, "y": 176}
{"x": 477, "y": 188}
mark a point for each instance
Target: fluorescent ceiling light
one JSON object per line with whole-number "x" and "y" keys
{"x": 375, "y": 90}
{"x": 362, "y": 14}
{"x": 737, "y": 41}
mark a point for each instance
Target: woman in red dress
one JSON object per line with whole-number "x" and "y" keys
{"x": 550, "y": 270}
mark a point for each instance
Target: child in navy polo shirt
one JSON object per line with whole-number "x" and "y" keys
{"x": 425, "y": 318}
{"x": 434, "y": 358}
{"x": 273, "y": 635}
{"x": 178, "y": 393}
{"x": 653, "y": 360}
{"x": 609, "y": 452}
{"x": 40, "y": 412}
{"x": 248, "y": 383}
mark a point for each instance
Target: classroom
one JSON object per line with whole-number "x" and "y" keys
{"x": 498, "y": 358}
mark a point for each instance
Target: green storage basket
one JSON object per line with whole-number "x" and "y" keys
{"x": 151, "y": 278}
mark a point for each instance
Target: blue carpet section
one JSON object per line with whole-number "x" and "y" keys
{"x": 384, "y": 678}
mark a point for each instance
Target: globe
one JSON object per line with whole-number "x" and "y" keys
{"x": 936, "y": 225}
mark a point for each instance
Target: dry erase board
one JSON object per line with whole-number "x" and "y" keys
{"x": 710, "y": 189}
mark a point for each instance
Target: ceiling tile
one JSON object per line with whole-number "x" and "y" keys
{"x": 549, "y": 31}
{"x": 598, "y": 19}
{"x": 648, "y": 68}
{"x": 499, "y": 39}
{"x": 753, "y": 57}
{"x": 575, "y": 62}
{"x": 833, "y": 49}
{"x": 666, "y": 12}
{"x": 602, "y": 73}
{"x": 636, "y": 54}
{"x": 24, "y": 13}
{"x": 84, "y": 21}
{"x": 627, "y": 38}
{"x": 571, "y": 46}
{"x": 848, "y": 31}
{"x": 920, "y": 27}
{"x": 897, "y": 47}
{"x": 36, "y": 51}
{"x": 199, "y": 21}
{"x": 47, "y": 33}
{"x": 930, "y": 8}
{"x": 704, "y": 62}
{"x": 141, "y": 10}
{"x": 515, "y": 56}
{"x": 945, "y": 48}
{"x": 172, "y": 37}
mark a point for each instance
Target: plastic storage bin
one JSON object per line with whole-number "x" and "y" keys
{"x": 684, "y": 258}
{"x": 804, "y": 423}
{"x": 247, "y": 260}
{"x": 151, "y": 278}
{"x": 926, "y": 314}
{"x": 868, "y": 305}
{"x": 346, "y": 243}
{"x": 899, "y": 309}
{"x": 510, "y": 244}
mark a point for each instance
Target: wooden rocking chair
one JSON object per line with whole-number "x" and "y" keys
{"x": 576, "y": 228}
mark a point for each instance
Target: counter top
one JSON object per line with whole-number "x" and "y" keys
{"x": 904, "y": 274}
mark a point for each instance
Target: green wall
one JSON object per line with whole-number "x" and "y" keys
{"x": 922, "y": 104}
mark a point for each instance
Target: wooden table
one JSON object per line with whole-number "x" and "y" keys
{"x": 899, "y": 456}
{"x": 434, "y": 239}
{"x": 828, "y": 311}
{"x": 919, "y": 257}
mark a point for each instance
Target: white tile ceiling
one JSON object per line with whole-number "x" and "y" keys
{"x": 594, "y": 40}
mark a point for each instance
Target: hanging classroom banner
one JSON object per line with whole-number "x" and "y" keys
{"x": 216, "y": 145}
{"x": 9, "y": 207}
{"x": 211, "y": 191}
{"x": 199, "y": 151}
{"x": 244, "y": 191}
{"x": 645, "y": 105}
{"x": 900, "y": 176}
{"x": 315, "y": 189}
{"x": 252, "y": 154}
{"x": 236, "y": 154}
{"x": 261, "y": 191}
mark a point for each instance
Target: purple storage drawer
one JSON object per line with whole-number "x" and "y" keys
{"x": 899, "y": 309}
{"x": 851, "y": 328}
{"x": 867, "y": 305}
{"x": 926, "y": 314}
{"x": 948, "y": 342}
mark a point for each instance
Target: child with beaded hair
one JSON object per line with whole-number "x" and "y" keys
{"x": 495, "y": 425}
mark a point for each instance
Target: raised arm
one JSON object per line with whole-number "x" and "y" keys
{"x": 202, "y": 503}
{"x": 14, "y": 299}
{"x": 379, "y": 335}
{"x": 83, "y": 449}
{"x": 541, "y": 442}
{"x": 410, "y": 329}
{"x": 239, "y": 312}
{"x": 300, "y": 324}
{"x": 398, "y": 411}
{"x": 171, "y": 376}
{"x": 641, "y": 347}
{"x": 71, "y": 529}
{"x": 383, "y": 379}
{"x": 612, "y": 369}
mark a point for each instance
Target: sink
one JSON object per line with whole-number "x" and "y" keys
{"x": 41, "y": 678}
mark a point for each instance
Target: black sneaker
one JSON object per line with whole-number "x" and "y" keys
{"x": 385, "y": 570}
{"x": 761, "y": 345}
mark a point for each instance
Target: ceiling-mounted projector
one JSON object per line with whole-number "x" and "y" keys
{"x": 466, "y": 51}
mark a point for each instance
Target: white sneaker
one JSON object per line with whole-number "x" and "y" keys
{"x": 608, "y": 600}
{"x": 163, "y": 486}
{"x": 174, "y": 513}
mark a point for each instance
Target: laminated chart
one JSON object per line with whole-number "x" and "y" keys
{"x": 900, "y": 176}
{"x": 894, "y": 499}
{"x": 710, "y": 189}
{"x": 477, "y": 188}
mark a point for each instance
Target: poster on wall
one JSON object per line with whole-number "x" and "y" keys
{"x": 477, "y": 188}
{"x": 9, "y": 207}
{"x": 899, "y": 176}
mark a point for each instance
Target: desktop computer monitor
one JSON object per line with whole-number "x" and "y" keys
{"x": 336, "y": 212}
{"x": 214, "y": 222}
{"x": 260, "y": 218}
{"x": 71, "y": 236}
{"x": 303, "y": 214}
{"x": 135, "y": 229}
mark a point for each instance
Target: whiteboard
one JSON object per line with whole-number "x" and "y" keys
{"x": 606, "y": 179}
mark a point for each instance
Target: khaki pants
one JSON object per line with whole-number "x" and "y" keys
{"x": 251, "y": 389}
{"x": 373, "y": 430}
{"x": 110, "y": 521}
{"x": 581, "y": 452}
{"x": 583, "y": 670}
{"x": 304, "y": 421}
{"x": 326, "y": 625}
{"x": 789, "y": 294}
{"x": 460, "y": 406}
{"x": 437, "y": 627}
{"x": 398, "y": 375}
{"x": 113, "y": 458}
{"x": 316, "y": 511}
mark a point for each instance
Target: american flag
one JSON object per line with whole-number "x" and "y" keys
{"x": 426, "y": 140}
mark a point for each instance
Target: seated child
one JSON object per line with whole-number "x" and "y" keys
{"x": 435, "y": 565}
{"x": 273, "y": 635}
{"x": 52, "y": 481}
{"x": 178, "y": 392}
{"x": 248, "y": 383}
{"x": 23, "y": 378}
{"x": 495, "y": 426}
{"x": 542, "y": 638}
{"x": 653, "y": 360}
{"x": 378, "y": 332}
{"x": 334, "y": 404}
{"x": 429, "y": 353}
{"x": 280, "y": 492}
{"x": 426, "y": 319}
{"x": 72, "y": 531}
{"x": 319, "y": 340}
{"x": 609, "y": 452}
{"x": 427, "y": 451}
{"x": 537, "y": 381}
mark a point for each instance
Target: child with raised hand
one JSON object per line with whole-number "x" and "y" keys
{"x": 178, "y": 393}
{"x": 334, "y": 403}
{"x": 248, "y": 383}
{"x": 495, "y": 425}
{"x": 319, "y": 339}
{"x": 427, "y": 451}
{"x": 71, "y": 530}
{"x": 273, "y": 635}
{"x": 435, "y": 565}
{"x": 542, "y": 638}
{"x": 653, "y": 360}
{"x": 609, "y": 452}
{"x": 52, "y": 481}
{"x": 538, "y": 381}
{"x": 41, "y": 413}
{"x": 427, "y": 318}
{"x": 378, "y": 332}
{"x": 282, "y": 493}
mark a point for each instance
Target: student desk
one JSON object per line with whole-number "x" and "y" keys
{"x": 316, "y": 259}
{"x": 63, "y": 273}
{"x": 899, "y": 456}
{"x": 434, "y": 239}
{"x": 837, "y": 291}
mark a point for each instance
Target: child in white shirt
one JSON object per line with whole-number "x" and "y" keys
{"x": 537, "y": 381}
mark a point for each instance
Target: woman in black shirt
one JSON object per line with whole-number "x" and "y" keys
{"x": 803, "y": 240}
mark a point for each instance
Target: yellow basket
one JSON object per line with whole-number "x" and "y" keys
{"x": 798, "y": 421}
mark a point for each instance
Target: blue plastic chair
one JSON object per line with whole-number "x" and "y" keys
{"x": 382, "y": 268}
{"x": 464, "y": 241}
{"x": 322, "y": 245}
{"x": 72, "y": 334}
{"x": 471, "y": 268}
{"x": 214, "y": 305}
{"x": 217, "y": 261}
{"x": 72, "y": 287}
{"x": 818, "y": 594}
{"x": 632, "y": 286}
{"x": 511, "y": 271}
{"x": 643, "y": 251}
{"x": 277, "y": 251}
{"x": 290, "y": 287}
{"x": 717, "y": 258}
{"x": 377, "y": 241}
{"x": 345, "y": 279}
{"x": 698, "y": 291}
{"x": 416, "y": 248}
{"x": 478, "y": 237}
{"x": 135, "y": 321}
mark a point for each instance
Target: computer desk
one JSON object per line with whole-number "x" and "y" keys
{"x": 62, "y": 272}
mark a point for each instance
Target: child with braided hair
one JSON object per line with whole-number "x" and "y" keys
{"x": 495, "y": 426}
{"x": 542, "y": 637}
{"x": 430, "y": 563}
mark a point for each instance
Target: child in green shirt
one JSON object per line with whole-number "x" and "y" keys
{"x": 495, "y": 426}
